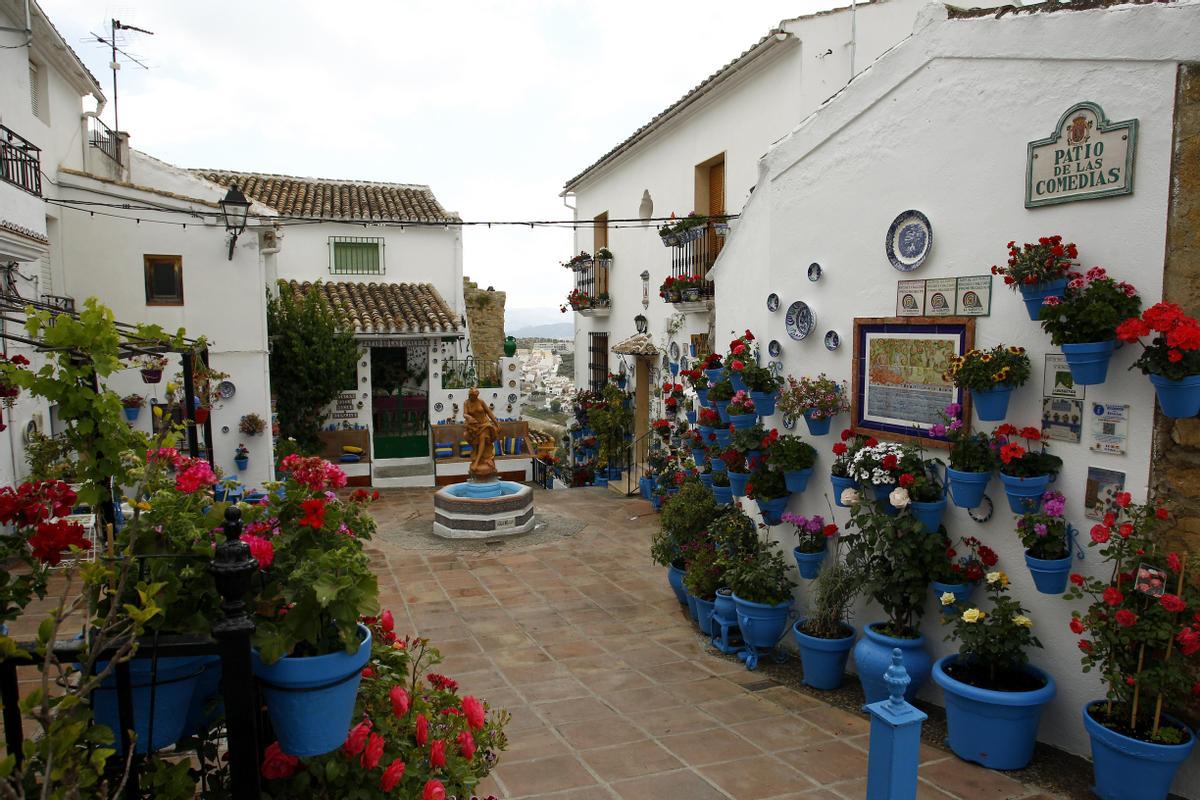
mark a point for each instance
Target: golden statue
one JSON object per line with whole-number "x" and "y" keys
{"x": 482, "y": 430}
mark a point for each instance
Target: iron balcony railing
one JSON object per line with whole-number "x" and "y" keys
{"x": 20, "y": 162}
{"x": 59, "y": 302}
{"x": 696, "y": 257}
{"x": 463, "y": 373}
{"x": 104, "y": 139}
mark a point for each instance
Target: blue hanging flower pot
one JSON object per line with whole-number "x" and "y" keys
{"x": 962, "y": 593}
{"x": 840, "y": 485}
{"x": 743, "y": 422}
{"x": 737, "y": 483}
{"x": 796, "y": 480}
{"x": 1050, "y": 575}
{"x": 817, "y": 426}
{"x": 132, "y": 413}
{"x": 1036, "y": 294}
{"x": 764, "y": 402}
{"x": 723, "y": 495}
{"x": 809, "y": 564}
{"x": 930, "y": 514}
{"x": 1089, "y": 361}
{"x": 1024, "y": 494}
{"x": 991, "y": 405}
{"x": 1178, "y": 399}
{"x": 967, "y": 488}
{"x": 772, "y": 509}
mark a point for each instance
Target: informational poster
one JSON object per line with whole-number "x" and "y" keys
{"x": 1062, "y": 419}
{"x": 1058, "y": 381}
{"x": 973, "y": 295}
{"x": 1110, "y": 427}
{"x": 910, "y": 298}
{"x": 940, "y": 297}
{"x": 1100, "y": 494}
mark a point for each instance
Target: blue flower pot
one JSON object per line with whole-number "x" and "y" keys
{"x": 699, "y": 456}
{"x": 706, "y": 478}
{"x": 675, "y": 578}
{"x": 809, "y": 564}
{"x": 1035, "y": 294}
{"x": 704, "y": 614}
{"x": 1130, "y": 769}
{"x": 311, "y": 700}
{"x": 762, "y": 625}
{"x": 219, "y": 492}
{"x": 962, "y": 594}
{"x": 724, "y": 437}
{"x": 993, "y": 728}
{"x": 691, "y": 606}
{"x": 764, "y": 402}
{"x": 600, "y": 478}
{"x": 739, "y": 385}
{"x": 796, "y": 480}
{"x": 207, "y": 705}
{"x": 991, "y": 405}
{"x": 646, "y": 486}
{"x": 873, "y": 656}
{"x": 1050, "y": 575}
{"x": 1024, "y": 494}
{"x": 737, "y": 483}
{"x": 1089, "y": 361}
{"x": 967, "y": 488}
{"x": 817, "y": 427}
{"x": 1178, "y": 399}
{"x": 132, "y": 414}
{"x": 691, "y": 417}
{"x": 702, "y": 396}
{"x": 840, "y": 485}
{"x": 714, "y": 375}
{"x": 724, "y": 608}
{"x": 741, "y": 422}
{"x": 718, "y": 465}
{"x": 723, "y": 495}
{"x": 930, "y": 514}
{"x": 169, "y": 686}
{"x": 722, "y": 411}
{"x": 824, "y": 660}
{"x": 241, "y": 463}
{"x": 772, "y": 509}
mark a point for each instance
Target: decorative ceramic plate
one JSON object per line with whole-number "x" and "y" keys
{"x": 909, "y": 240}
{"x": 772, "y": 302}
{"x": 814, "y": 272}
{"x": 800, "y": 320}
{"x": 512, "y": 398}
{"x": 832, "y": 340}
{"x": 684, "y": 364}
{"x": 674, "y": 351}
{"x": 774, "y": 348}
{"x": 789, "y": 422}
{"x": 226, "y": 389}
{"x": 438, "y": 407}
{"x": 776, "y": 368}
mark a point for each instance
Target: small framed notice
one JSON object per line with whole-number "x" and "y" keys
{"x": 1110, "y": 428}
{"x": 1062, "y": 419}
{"x": 910, "y": 298}
{"x": 1100, "y": 492}
{"x": 973, "y": 296}
{"x": 1058, "y": 381}
{"x": 940, "y": 297}
{"x": 1150, "y": 580}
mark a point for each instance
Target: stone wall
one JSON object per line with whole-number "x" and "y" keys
{"x": 1176, "y": 466}
{"x": 485, "y": 316}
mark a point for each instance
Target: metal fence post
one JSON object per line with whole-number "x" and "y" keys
{"x": 895, "y": 745}
{"x": 233, "y": 568}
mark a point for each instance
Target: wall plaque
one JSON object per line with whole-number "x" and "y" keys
{"x": 939, "y": 297}
{"x": 910, "y": 298}
{"x": 1085, "y": 158}
{"x": 974, "y": 296}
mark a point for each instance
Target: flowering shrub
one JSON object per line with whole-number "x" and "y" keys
{"x": 1046, "y": 261}
{"x": 1023, "y": 461}
{"x": 811, "y": 532}
{"x": 970, "y": 451}
{"x": 1090, "y": 310}
{"x": 883, "y": 463}
{"x": 845, "y": 450}
{"x": 1141, "y": 627}
{"x": 791, "y": 453}
{"x": 1045, "y": 532}
{"x": 416, "y": 738}
{"x": 982, "y": 370}
{"x": 705, "y": 570}
{"x": 740, "y": 404}
{"x": 1174, "y": 352}
{"x": 969, "y": 566}
{"x": 992, "y": 644}
{"x": 820, "y": 398}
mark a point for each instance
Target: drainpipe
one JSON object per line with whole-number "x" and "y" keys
{"x": 853, "y": 34}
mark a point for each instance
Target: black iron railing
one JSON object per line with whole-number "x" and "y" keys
{"x": 104, "y": 139}
{"x": 60, "y": 302}
{"x": 463, "y": 373}
{"x": 696, "y": 257}
{"x": 20, "y": 162}
{"x": 636, "y": 456}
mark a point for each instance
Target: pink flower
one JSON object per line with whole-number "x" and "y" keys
{"x": 373, "y": 752}
{"x": 433, "y": 790}
{"x": 356, "y": 741}
{"x": 466, "y": 745}
{"x": 437, "y": 754}
{"x": 400, "y": 701}
{"x": 195, "y": 476}
{"x": 261, "y": 549}
{"x": 422, "y": 733}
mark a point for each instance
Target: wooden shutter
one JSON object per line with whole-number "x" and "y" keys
{"x": 600, "y": 239}
{"x": 34, "y": 100}
{"x": 716, "y": 189}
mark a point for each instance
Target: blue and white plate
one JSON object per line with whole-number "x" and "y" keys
{"x": 789, "y": 422}
{"x": 512, "y": 398}
{"x": 674, "y": 350}
{"x": 832, "y": 340}
{"x": 800, "y": 320}
{"x": 772, "y": 302}
{"x": 814, "y": 272}
{"x": 909, "y": 240}
{"x": 774, "y": 348}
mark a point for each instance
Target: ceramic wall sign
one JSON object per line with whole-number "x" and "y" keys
{"x": 800, "y": 320}
{"x": 909, "y": 240}
{"x": 772, "y": 302}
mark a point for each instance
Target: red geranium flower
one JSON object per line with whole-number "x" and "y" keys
{"x": 1126, "y": 618}
{"x": 1172, "y": 603}
{"x": 907, "y": 480}
{"x": 839, "y": 449}
{"x": 1113, "y": 596}
{"x": 314, "y": 513}
{"x": 277, "y": 764}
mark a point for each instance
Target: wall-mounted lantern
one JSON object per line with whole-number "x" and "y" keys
{"x": 639, "y": 322}
{"x": 235, "y": 207}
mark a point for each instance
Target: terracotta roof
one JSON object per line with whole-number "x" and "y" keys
{"x": 381, "y": 308}
{"x": 1045, "y": 7}
{"x": 640, "y": 344}
{"x": 331, "y": 198}
{"x": 21, "y": 230}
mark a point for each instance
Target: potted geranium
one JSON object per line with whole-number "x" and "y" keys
{"x": 132, "y": 403}
{"x": 719, "y": 395}
{"x": 795, "y": 458}
{"x": 662, "y": 427}
{"x": 762, "y": 595}
{"x": 670, "y": 289}
{"x": 961, "y": 570}
{"x": 722, "y": 492}
{"x": 880, "y": 465}
{"x": 920, "y": 491}
{"x": 818, "y": 400}
{"x": 1171, "y": 360}
{"x": 714, "y": 368}
{"x": 741, "y": 411}
{"x": 994, "y": 697}
{"x": 843, "y": 455}
{"x": 812, "y": 536}
{"x": 1084, "y": 323}
{"x": 579, "y": 262}
{"x": 971, "y": 457}
{"x": 990, "y": 376}
{"x": 698, "y": 380}
{"x": 1038, "y": 270}
{"x": 1048, "y": 540}
{"x": 1025, "y": 470}
{"x": 241, "y": 457}
{"x": 151, "y": 367}
{"x": 767, "y": 487}
{"x": 1142, "y": 636}
{"x": 703, "y": 576}
{"x": 763, "y": 386}
{"x": 604, "y": 258}
{"x": 736, "y": 470}
{"x": 825, "y": 637}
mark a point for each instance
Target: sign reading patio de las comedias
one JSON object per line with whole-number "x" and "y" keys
{"x": 1087, "y": 157}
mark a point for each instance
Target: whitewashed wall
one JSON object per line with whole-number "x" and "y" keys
{"x": 941, "y": 125}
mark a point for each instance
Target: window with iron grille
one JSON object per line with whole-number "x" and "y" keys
{"x": 597, "y": 360}
{"x": 356, "y": 255}
{"x": 164, "y": 280}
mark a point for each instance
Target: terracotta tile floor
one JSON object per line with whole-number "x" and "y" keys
{"x": 613, "y": 694}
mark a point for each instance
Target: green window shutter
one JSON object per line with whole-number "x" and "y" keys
{"x": 356, "y": 255}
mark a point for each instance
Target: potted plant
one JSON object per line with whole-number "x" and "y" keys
{"x": 714, "y": 369}
{"x": 741, "y": 411}
{"x": 920, "y": 491}
{"x": 604, "y": 258}
{"x": 795, "y": 458}
{"x": 241, "y": 457}
{"x": 1025, "y": 470}
{"x": 1038, "y": 270}
{"x": 719, "y": 394}
{"x": 994, "y": 696}
{"x": 818, "y": 400}
{"x": 251, "y": 424}
{"x": 990, "y": 376}
{"x": 1048, "y": 540}
{"x": 1171, "y": 360}
{"x": 735, "y": 470}
{"x": 843, "y": 454}
{"x": 762, "y": 595}
{"x": 722, "y": 492}
{"x": 767, "y": 487}
{"x": 132, "y": 403}
{"x": 1084, "y": 323}
{"x": 707, "y": 421}
{"x": 579, "y": 262}
{"x": 690, "y": 287}
{"x": 879, "y": 467}
{"x": 812, "y": 535}
{"x": 151, "y": 367}
{"x": 971, "y": 457}
{"x": 959, "y": 573}
{"x": 684, "y": 521}
{"x": 763, "y": 386}
{"x": 825, "y": 637}
{"x": 703, "y": 576}
{"x": 742, "y": 352}
{"x": 670, "y": 289}
{"x": 698, "y": 379}
{"x": 751, "y": 443}
{"x": 663, "y": 428}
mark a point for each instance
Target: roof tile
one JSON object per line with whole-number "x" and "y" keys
{"x": 382, "y": 308}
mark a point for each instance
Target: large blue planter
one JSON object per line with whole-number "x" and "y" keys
{"x": 691, "y": 606}
{"x": 873, "y": 656}
{"x": 930, "y": 514}
{"x": 809, "y": 564}
{"x": 169, "y": 685}
{"x": 675, "y": 578}
{"x": 1035, "y": 294}
{"x": 714, "y": 375}
{"x": 699, "y": 456}
{"x": 723, "y": 411}
{"x": 1178, "y": 399}
{"x": 704, "y": 613}
{"x": 646, "y": 486}
{"x": 1130, "y": 769}
{"x": 723, "y": 495}
{"x": 724, "y": 436}
{"x": 840, "y": 485}
{"x": 207, "y": 705}
{"x": 762, "y": 625}
{"x": 724, "y": 609}
{"x": 1089, "y": 361}
{"x": 992, "y": 728}
{"x": 702, "y": 396}
{"x": 718, "y": 465}
{"x": 817, "y": 427}
{"x": 962, "y": 593}
{"x": 739, "y": 385}
{"x": 131, "y": 414}
{"x": 764, "y": 402}
{"x": 796, "y": 480}
{"x": 741, "y": 422}
{"x": 772, "y": 509}
{"x": 967, "y": 488}
{"x": 600, "y": 478}
{"x": 991, "y": 405}
{"x": 737, "y": 483}
{"x": 1050, "y": 575}
{"x": 311, "y": 700}
{"x": 824, "y": 660}
{"x": 1024, "y": 494}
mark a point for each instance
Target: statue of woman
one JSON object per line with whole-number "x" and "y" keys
{"x": 482, "y": 430}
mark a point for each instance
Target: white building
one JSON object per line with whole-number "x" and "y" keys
{"x": 942, "y": 124}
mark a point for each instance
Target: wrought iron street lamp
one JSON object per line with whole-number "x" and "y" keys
{"x": 235, "y": 207}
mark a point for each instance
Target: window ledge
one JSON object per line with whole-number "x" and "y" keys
{"x": 599, "y": 311}
{"x": 696, "y": 307}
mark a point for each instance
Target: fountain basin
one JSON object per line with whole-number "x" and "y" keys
{"x": 482, "y": 510}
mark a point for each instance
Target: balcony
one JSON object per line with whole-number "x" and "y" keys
{"x": 104, "y": 139}
{"x": 696, "y": 257}
{"x": 20, "y": 162}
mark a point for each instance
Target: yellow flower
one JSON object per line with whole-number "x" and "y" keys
{"x": 1016, "y": 351}
{"x": 158, "y": 412}
{"x": 143, "y": 505}
{"x": 993, "y": 577}
{"x": 986, "y": 357}
{"x": 170, "y": 387}
{"x": 972, "y": 615}
{"x": 948, "y": 598}
{"x": 1023, "y": 621}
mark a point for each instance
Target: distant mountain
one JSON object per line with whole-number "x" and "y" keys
{"x": 553, "y": 330}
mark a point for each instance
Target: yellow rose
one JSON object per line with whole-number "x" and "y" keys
{"x": 1023, "y": 621}
{"x": 143, "y": 505}
{"x": 972, "y": 615}
{"x": 994, "y": 577}
{"x": 948, "y": 598}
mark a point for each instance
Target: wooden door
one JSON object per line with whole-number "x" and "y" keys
{"x": 716, "y": 207}
{"x": 599, "y": 240}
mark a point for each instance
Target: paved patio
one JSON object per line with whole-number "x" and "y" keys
{"x": 613, "y": 694}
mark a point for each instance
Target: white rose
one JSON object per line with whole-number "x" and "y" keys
{"x": 948, "y": 598}
{"x": 899, "y": 497}
{"x": 850, "y": 497}
{"x": 992, "y": 577}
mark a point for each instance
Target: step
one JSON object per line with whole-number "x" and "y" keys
{"x": 403, "y": 471}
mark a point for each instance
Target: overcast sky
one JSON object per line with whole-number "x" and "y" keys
{"x": 493, "y": 104}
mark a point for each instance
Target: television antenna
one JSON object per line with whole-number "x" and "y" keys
{"x": 116, "y": 25}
